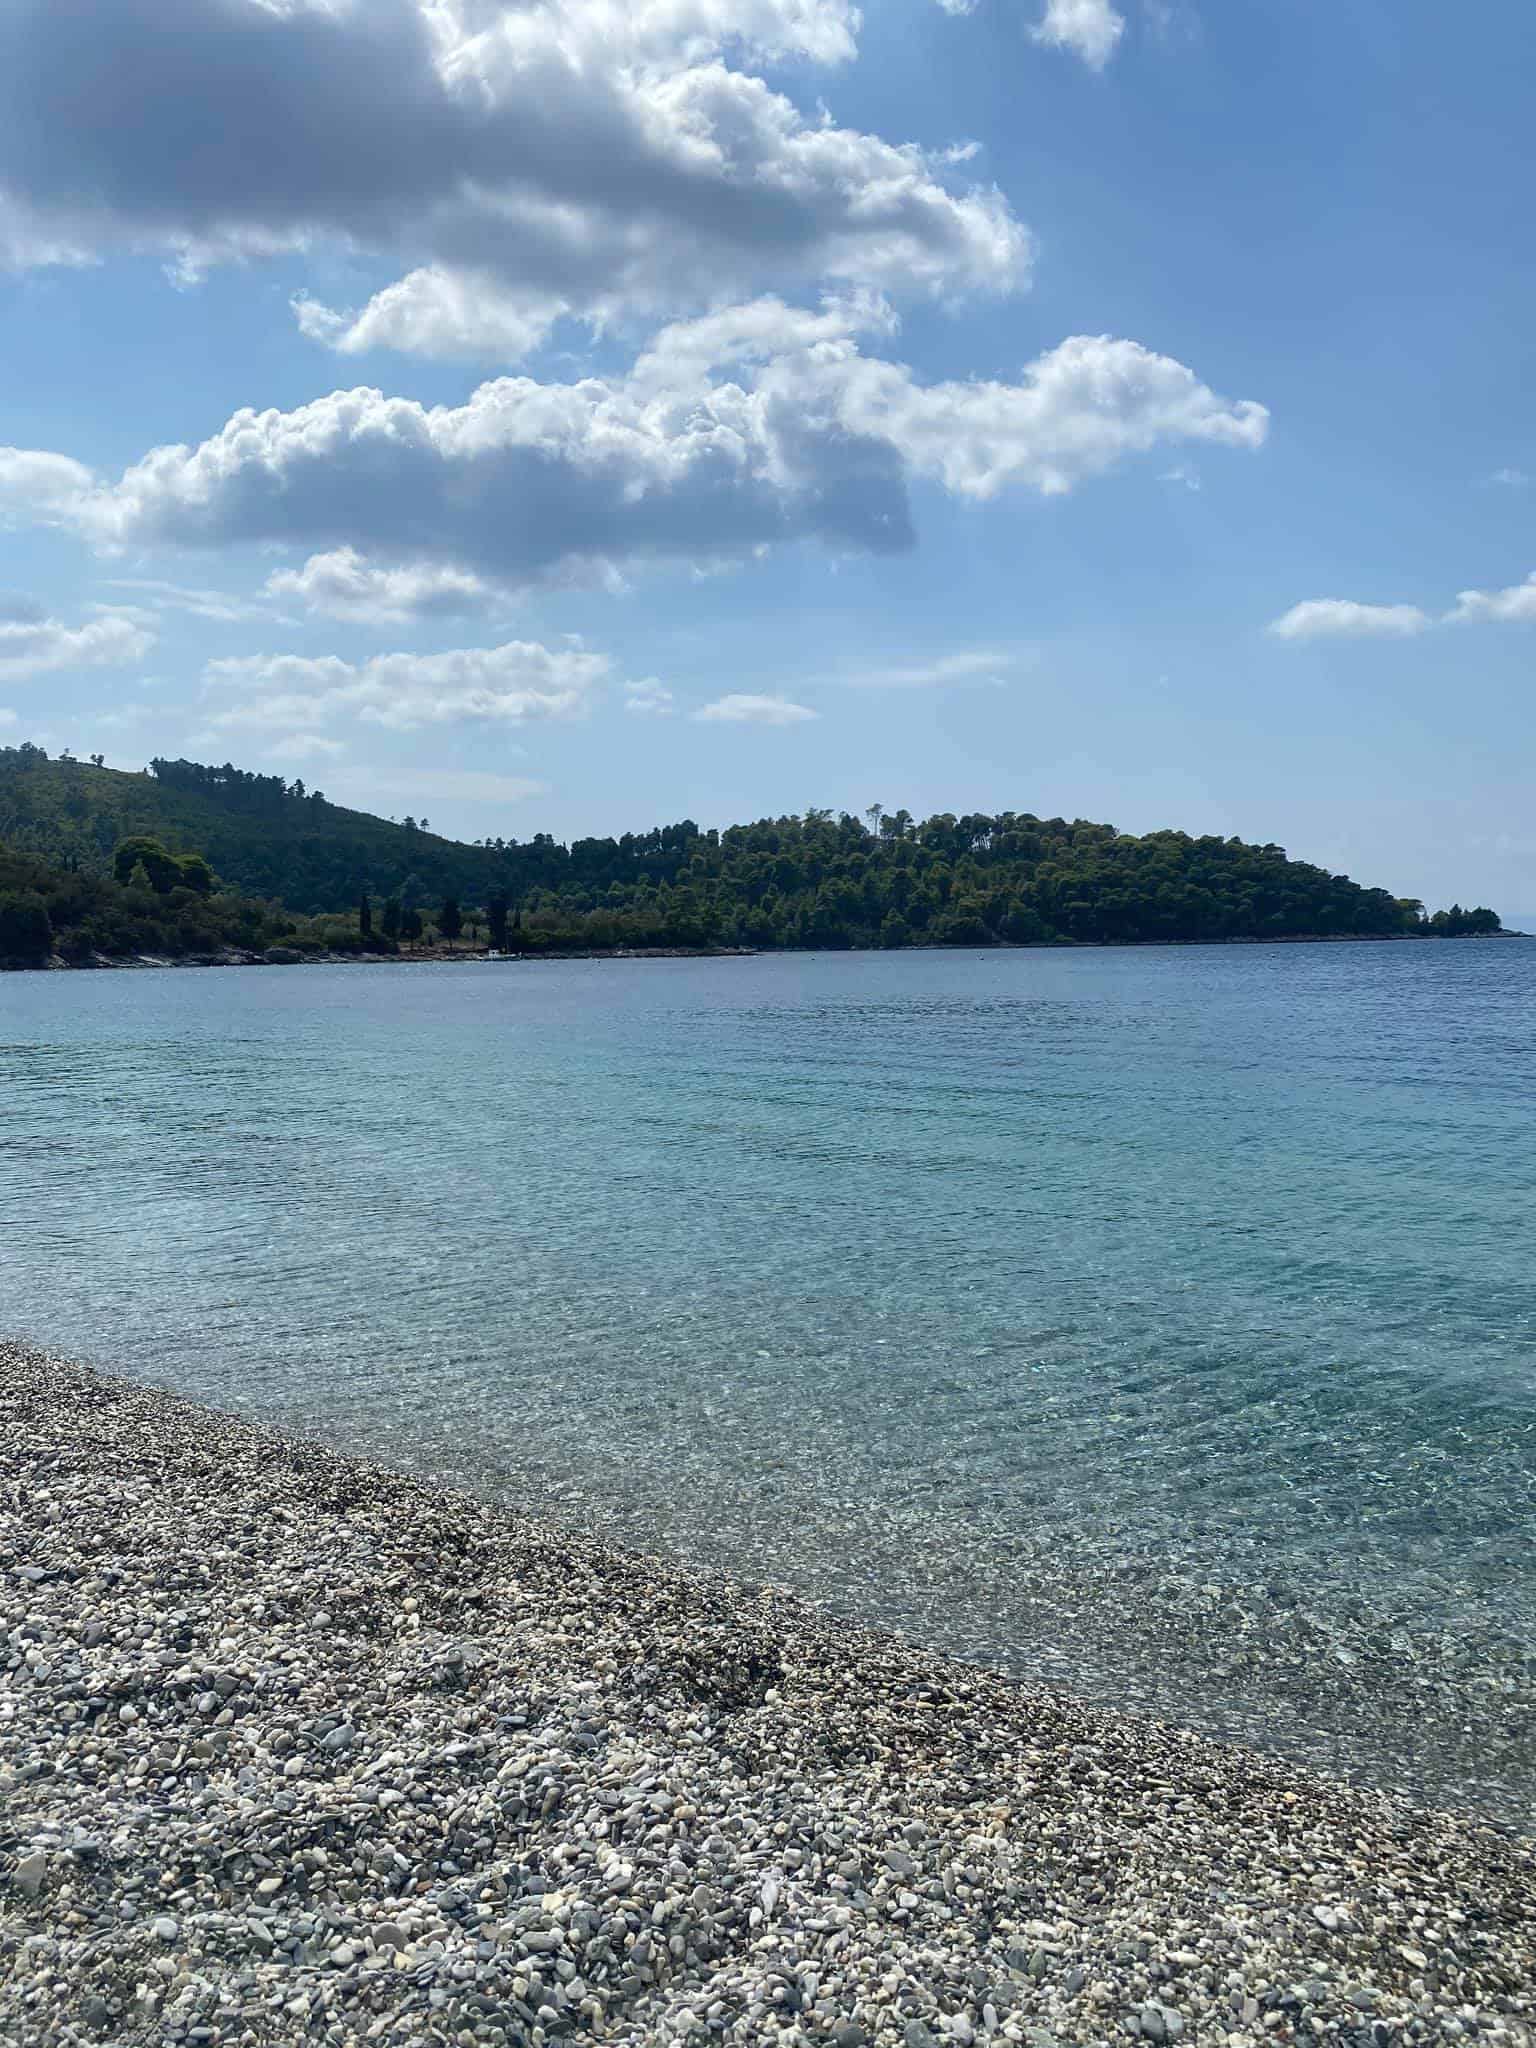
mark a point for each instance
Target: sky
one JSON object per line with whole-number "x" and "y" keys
{"x": 574, "y": 416}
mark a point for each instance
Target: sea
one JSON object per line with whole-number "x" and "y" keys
{"x": 1157, "y": 1325}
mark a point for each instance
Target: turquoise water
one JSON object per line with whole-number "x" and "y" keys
{"x": 1156, "y": 1323}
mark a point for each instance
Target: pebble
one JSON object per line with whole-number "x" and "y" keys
{"x": 519, "y": 1790}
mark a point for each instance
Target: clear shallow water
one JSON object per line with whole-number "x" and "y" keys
{"x": 1157, "y": 1323}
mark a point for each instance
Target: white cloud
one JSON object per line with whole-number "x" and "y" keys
{"x": 27, "y": 245}
{"x": 37, "y": 645}
{"x": 38, "y": 487}
{"x": 213, "y": 605}
{"x": 648, "y": 698}
{"x": 973, "y": 665}
{"x": 1512, "y": 479}
{"x": 1183, "y": 473}
{"x": 742, "y": 708}
{"x": 508, "y": 685}
{"x": 344, "y": 585}
{"x": 7, "y": 717}
{"x": 1341, "y": 616}
{"x": 1089, "y": 28}
{"x": 799, "y": 436}
{"x": 463, "y": 315}
{"x": 575, "y": 153}
{"x": 1514, "y": 606}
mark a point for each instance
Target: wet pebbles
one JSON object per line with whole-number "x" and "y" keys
{"x": 296, "y": 1749}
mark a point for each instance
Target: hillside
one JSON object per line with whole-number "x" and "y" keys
{"x": 261, "y": 835}
{"x": 48, "y": 910}
{"x": 816, "y": 880}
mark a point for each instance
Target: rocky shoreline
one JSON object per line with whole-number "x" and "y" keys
{"x": 295, "y": 1749}
{"x": 289, "y": 956}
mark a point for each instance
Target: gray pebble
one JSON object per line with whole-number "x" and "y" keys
{"x": 600, "y": 1798}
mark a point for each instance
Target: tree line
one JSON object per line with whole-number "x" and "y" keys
{"x": 820, "y": 880}
{"x": 817, "y": 879}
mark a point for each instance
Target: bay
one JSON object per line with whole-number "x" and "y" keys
{"x": 1156, "y": 1323}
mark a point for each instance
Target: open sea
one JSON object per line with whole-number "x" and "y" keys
{"x": 1159, "y": 1325}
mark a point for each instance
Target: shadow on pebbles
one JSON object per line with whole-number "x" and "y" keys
{"x": 296, "y": 1750}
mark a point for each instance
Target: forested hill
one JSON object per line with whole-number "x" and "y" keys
{"x": 261, "y": 835}
{"x": 819, "y": 880}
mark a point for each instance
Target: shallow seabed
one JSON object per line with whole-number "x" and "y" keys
{"x": 296, "y": 1749}
{"x": 1155, "y": 1323}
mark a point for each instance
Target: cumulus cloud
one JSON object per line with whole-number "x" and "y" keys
{"x": 508, "y": 685}
{"x": 742, "y": 708}
{"x": 344, "y": 585}
{"x": 758, "y": 425}
{"x": 648, "y": 699}
{"x": 1513, "y": 606}
{"x": 1089, "y": 28}
{"x": 574, "y": 154}
{"x": 37, "y": 486}
{"x": 435, "y": 312}
{"x": 1511, "y": 479}
{"x": 1320, "y": 617}
{"x": 32, "y": 644}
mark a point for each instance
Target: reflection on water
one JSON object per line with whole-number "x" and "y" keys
{"x": 1155, "y": 1322}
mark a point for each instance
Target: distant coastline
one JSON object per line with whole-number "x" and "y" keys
{"x": 434, "y": 956}
{"x": 194, "y": 862}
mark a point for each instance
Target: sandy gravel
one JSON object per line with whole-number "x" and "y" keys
{"x": 295, "y": 1749}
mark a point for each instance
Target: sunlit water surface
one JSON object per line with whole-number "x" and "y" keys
{"x": 1158, "y": 1324}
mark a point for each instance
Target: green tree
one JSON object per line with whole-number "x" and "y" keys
{"x": 497, "y": 910}
{"x": 162, "y": 870}
{"x": 450, "y": 919}
{"x": 365, "y": 916}
{"x": 391, "y": 917}
{"x": 411, "y": 926}
{"x": 26, "y": 930}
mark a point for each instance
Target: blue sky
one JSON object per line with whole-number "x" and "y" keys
{"x": 1086, "y": 406}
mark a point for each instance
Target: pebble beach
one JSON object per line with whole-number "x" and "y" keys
{"x": 294, "y": 1748}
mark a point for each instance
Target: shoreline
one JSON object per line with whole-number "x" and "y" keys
{"x": 295, "y": 1747}
{"x": 283, "y": 956}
